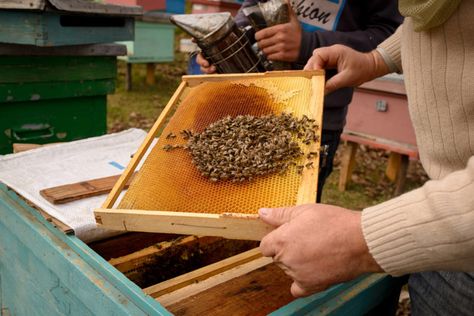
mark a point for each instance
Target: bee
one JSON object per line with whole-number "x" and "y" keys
{"x": 170, "y": 136}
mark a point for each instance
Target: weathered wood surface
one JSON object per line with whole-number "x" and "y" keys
{"x": 75, "y": 50}
{"x": 202, "y": 274}
{"x": 82, "y": 6}
{"x": 44, "y": 272}
{"x": 23, "y": 4}
{"x": 231, "y": 226}
{"x": 95, "y": 7}
{"x": 50, "y": 28}
{"x": 80, "y": 190}
{"x": 267, "y": 284}
{"x": 127, "y": 243}
{"x": 60, "y": 275}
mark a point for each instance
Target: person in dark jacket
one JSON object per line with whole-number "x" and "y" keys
{"x": 361, "y": 25}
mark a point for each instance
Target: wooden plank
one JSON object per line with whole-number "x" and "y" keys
{"x": 34, "y": 91}
{"x": 125, "y": 244}
{"x": 18, "y": 148}
{"x": 393, "y": 165}
{"x": 194, "y": 80}
{"x": 309, "y": 183}
{"x": 23, "y": 4}
{"x": 75, "y": 50}
{"x": 58, "y": 274}
{"x": 402, "y": 175}
{"x": 256, "y": 288}
{"x": 150, "y": 74}
{"x": 80, "y": 190}
{"x": 202, "y": 274}
{"x": 231, "y": 226}
{"x": 169, "y": 259}
{"x": 58, "y": 68}
{"x": 347, "y": 165}
{"x": 159, "y": 124}
{"x": 184, "y": 294}
{"x": 85, "y": 6}
{"x": 381, "y": 143}
{"x": 137, "y": 259}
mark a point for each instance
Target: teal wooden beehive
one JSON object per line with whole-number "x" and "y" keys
{"x": 154, "y": 40}
{"x": 61, "y": 22}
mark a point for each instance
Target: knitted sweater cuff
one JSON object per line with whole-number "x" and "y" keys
{"x": 391, "y": 52}
{"x": 387, "y": 232}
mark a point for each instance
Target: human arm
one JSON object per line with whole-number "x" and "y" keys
{"x": 355, "y": 68}
{"x": 377, "y": 21}
{"x": 427, "y": 229}
{"x": 316, "y": 245}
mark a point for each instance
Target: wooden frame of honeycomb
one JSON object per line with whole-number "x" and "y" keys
{"x": 236, "y": 224}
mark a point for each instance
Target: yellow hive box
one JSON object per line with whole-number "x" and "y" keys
{"x": 169, "y": 195}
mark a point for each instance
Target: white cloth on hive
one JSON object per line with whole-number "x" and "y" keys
{"x": 31, "y": 171}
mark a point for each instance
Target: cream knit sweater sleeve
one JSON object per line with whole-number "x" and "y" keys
{"x": 432, "y": 228}
{"x": 428, "y": 229}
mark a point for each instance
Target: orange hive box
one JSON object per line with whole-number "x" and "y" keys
{"x": 169, "y": 195}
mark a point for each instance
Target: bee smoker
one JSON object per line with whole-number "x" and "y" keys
{"x": 222, "y": 43}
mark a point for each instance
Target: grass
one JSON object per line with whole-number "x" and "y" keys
{"x": 141, "y": 107}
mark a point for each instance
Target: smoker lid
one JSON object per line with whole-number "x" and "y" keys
{"x": 76, "y": 6}
{"x": 206, "y": 28}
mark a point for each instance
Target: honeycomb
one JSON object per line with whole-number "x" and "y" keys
{"x": 168, "y": 181}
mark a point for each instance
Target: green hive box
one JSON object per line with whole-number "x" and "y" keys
{"x": 46, "y": 99}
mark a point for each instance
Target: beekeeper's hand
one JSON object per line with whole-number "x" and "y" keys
{"x": 281, "y": 42}
{"x": 206, "y": 67}
{"x": 353, "y": 67}
{"x": 317, "y": 245}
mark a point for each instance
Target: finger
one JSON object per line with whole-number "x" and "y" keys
{"x": 268, "y": 42}
{"x": 268, "y": 245}
{"x": 201, "y": 61}
{"x": 324, "y": 58}
{"x": 297, "y": 290}
{"x": 272, "y": 50}
{"x": 267, "y": 32}
{"x": 276, "y": 216}
{"x": 336, "y": 82}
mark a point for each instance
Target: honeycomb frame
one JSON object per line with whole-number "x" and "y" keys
{"x": 235, "y": 224}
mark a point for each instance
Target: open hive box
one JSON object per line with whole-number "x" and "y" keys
{"x": 169, "y": 195}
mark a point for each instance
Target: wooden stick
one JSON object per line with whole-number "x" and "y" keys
{"x": 309, "y": 184}
{"x": 81, "y": 190}
{"x": 160, "y": 122}
{"x": 194, "y": 80}
{"x": 140, "y": 258}
{"x": 195, "y": 288}
{"x": 202, "y": 274}
{"x": 231, "y": 226}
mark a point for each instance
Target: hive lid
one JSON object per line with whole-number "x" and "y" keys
{"x": 169, "y": 194}
{"x": 76, "y": 6}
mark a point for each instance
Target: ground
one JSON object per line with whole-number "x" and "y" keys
{"x": 141, "y": 106}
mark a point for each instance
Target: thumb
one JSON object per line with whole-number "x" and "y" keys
{"x": 292, "y": 14}
{"x": 276, "y": 216}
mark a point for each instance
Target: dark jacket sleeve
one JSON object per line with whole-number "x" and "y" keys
{"x": 380, "y": 19}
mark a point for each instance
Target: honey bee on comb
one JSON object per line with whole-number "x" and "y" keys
{"x": 239, "y": 148}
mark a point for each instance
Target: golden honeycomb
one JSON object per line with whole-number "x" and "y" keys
{"x": 168, "y": 181}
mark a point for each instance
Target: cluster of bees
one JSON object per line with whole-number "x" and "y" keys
{"x": 240, "y": 148}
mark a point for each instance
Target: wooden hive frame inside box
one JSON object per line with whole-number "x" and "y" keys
{"x": 232, "y": 225}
